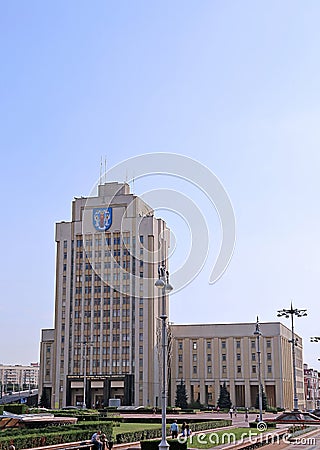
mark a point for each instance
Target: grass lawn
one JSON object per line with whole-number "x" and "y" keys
{"x": 209, "y": 440}
{"x": 130, "y": 427}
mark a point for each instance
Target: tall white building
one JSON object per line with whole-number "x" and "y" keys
{"x": 106, "y": 305}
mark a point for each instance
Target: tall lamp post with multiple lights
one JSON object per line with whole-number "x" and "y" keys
{"x": 163, "y": 284}
{"x": 258, "y": 333}
{"x": 287, "y": 313}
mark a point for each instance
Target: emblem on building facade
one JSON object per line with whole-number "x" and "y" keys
{"x": 102, "y": 218}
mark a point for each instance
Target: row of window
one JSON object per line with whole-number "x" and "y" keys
{"x": 223, "y": 344}
{"x": 117, "y": 240}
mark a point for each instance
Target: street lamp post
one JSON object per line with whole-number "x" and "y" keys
{"x": 258, "y": 333}
{"x": 163, "y": 284}
{"x": 85, "y": 343}
{"x": 287, "y": 313}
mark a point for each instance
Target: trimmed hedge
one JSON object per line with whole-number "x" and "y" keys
{"x": 16, "y": 408}
{"x": 135, "y": 436}
{"x": 154, "y": 445}
{"x": 87, "y": 426}
{"x": 268, "y": 424}
{"x": 25, "y": 438}
{"x": 36, "y": 440}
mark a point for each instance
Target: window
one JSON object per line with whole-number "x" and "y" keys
{"x": 269, "y": 369}
{"x": 141, "y": 239}
{"x": 180, "y": 369}
{"x": 194, "y": 358}
{"x": 268, "y": 343}
{"x": 209, "y": 357}
{"x": 223, "y": 344}
{"x": 254, "y": 369}
{"x": 224, "y": 357}
{"x": 194, "y": 345}
{"x": 253, "y": 344}
{"x": 238, "y": 369}
{"x": 209, "y": 369}
{"x": 238, "y": 344}
{"x": 269, "y": 356}
{"x": 195, "y": 369}
{"x": 180, "y": 358}
{"x": 238, "y": 356}
{"x": 180, "y": 345}
{"x": 65, "y": 243}
{"x": 208, "y": 344}
{"x": 224, "y": 369}
{"x": 253, "y": 356}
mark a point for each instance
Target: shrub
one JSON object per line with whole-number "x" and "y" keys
{"x": 87, "y": 427}
{"x": 154, "y": 445}
{"x": 136, "y": 436}
{"x": 38, "y": 440}
{"x": 16, "y": 408}
{"x": 271, "y": 409}
{"x": 268, "y": 424}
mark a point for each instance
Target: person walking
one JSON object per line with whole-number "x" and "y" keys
{"x": 183, "y": 429}
{"x": 231, "y": 412}
{"x": 174, "y": 429}
{"x": 246, "y": 415}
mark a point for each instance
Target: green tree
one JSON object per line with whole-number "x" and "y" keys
{"x": 44, "y": 399}
{"x": 181, "y": 396}
{"x": 224, "y": 401}
{"x": 264, "y": 400}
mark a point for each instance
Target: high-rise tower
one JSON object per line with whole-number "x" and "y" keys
{"x": 104, "y": 343}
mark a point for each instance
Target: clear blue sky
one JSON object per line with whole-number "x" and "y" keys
{"x": 233, "y": 84}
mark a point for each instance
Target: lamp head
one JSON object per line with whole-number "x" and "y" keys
{"x": 160, "y": 284}
{"x": 168, "y": 287}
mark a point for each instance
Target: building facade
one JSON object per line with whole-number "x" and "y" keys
{"x": 16, "y": 377}
{"x": 311, "y": 387}
{"x": 104, "y": 342}
{"x": 207, "y": 355}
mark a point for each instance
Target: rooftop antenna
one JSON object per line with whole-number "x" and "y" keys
{"x": 100, "y": 178}
{"x": 133, "y": 184}
{"x": 105, "y": 169}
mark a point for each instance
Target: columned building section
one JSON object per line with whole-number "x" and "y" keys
{"x": 106, "y": 304}
{"x": 206, "y": 356}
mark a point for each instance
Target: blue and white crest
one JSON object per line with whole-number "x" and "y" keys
{"x": 102, "y": 218}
